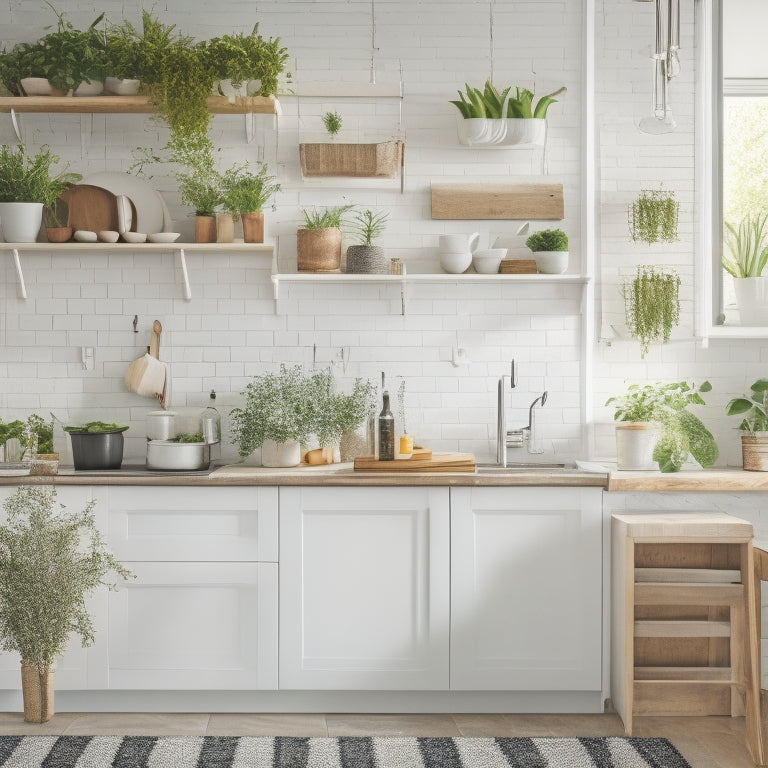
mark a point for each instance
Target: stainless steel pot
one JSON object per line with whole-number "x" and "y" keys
{"x": 161, "y": 425}
{"x": 167, "y": 455}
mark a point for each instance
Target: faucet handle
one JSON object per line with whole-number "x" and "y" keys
{"x": 512, "y": 374}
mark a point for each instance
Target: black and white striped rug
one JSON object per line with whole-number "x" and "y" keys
{"x": 345, "y": 752}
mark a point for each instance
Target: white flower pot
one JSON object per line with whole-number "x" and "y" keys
{"x": 635, "y": 442}
{"x": 118, "y": 87}
{"x": 525, "y": 130}
{"x": 20, "y": 222}
{"x": 551, "y": 262}
{"x": 36, "y": 86}
{"x": 752, "y": 299}
{"x": 94, "y": 88}
{"x": 280, "y": 454}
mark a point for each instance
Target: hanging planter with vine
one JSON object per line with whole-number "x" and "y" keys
{"x": 653, "y": 217}
{"x": 652, "y": 304}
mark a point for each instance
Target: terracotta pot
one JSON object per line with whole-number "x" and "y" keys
{"x": 58, "y": 234}
{"x": 225, "y": 228}
{"x": 37, "y": 691}
{"x": 205, "y": 229}
{"x": 253, "y": 227}
{"x": 318, "y": 250}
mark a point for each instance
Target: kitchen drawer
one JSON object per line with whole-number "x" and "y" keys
{"x": 206, "y": 524}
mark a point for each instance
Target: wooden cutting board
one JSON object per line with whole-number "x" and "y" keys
{"x": 437, "y": 462}
{"x": 93, "y": 208}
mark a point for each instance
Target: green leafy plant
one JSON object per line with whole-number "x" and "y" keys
{"x": 332, "y": 122}
{"x": 682, "y": 432}
{"x": 243, "y": 191}
{"x": 34, "y": 435}
{"x": 26, "y": 178}
{"x": 369, "y": 225}
{"x": 50, "y": 561}
{"x": 95, "y": 427}
{"x": 747, "y": 245}
{"x": 337, "y": 412}
{"x": 491, "y": 103}
{"x": 329, "y": 217}
{"x": 201, "y": 185}
{"x": 651, "y": 304}
{"x": 653, "y": 217}
{"x": 548, "y": 240}
{"x": 753, "y": 408}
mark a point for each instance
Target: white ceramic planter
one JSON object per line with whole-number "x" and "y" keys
{"x": 484, "y": 131}
{"x": 520, "y": 130}
{"x": 280, "y": 454}
{"x": 752, "y": 299}
{"x": 36, "y": 86}
{"x": 94, "y": 88}
{"x": 118, "y": 87}
{"x": 551, "y": 262}
{"x": 635, "y": 442}
{"x": 20, "y": 222}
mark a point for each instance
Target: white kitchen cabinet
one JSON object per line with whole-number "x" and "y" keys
{"x": 526, "y": 589}
{"x": 364, "y": 588}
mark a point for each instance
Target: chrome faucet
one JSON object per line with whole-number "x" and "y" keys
{"x": 531, "y": 437}
{"x": 501, "y": 415}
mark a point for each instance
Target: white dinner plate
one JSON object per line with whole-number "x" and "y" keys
{"x": 151, "y": 212}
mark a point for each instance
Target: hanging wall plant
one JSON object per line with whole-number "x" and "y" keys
{"x": 651, "y": 304}
{"x": 653, "y": 217}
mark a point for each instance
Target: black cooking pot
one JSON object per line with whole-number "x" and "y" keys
{"x": 97, "y": 450}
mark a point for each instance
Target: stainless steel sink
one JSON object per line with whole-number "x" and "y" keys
{"x": 519, "y": 466}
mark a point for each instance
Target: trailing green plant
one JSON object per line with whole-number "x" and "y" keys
{"x": 369, "y": 225}
{"x": 491, "y": 103}
{"x": 548, "y": 240}
{"x": 651, "y": 304}
{"x": 26, "y": 178}
{"x": 329, "y": 217}
{"x": 332, "y": 122}
{"x": 244, "y": 191}
{"x": 747, "y": 246}
{"x": 682, "y": 432}
{"x": 51, "y": 560}
{"x": 653, "y": 217}
{"x": 753, "y": 408}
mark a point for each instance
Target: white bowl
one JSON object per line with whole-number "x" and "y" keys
{"x": 455, "y": 262}
{"x": 134, "y": 237}
{"x": 164, "y": 237}
{"x": 108, "y": 236}
{"x": 487, "y": 261}
{"x": 85, "y": 236}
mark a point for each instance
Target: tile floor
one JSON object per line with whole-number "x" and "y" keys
{"x": 706, "y": 742}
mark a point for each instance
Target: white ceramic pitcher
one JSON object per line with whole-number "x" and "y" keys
{"x": 456, "y": 252}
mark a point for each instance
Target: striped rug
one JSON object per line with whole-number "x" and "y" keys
{"x": 345, "y": 752}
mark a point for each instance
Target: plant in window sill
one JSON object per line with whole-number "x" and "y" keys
{"x": 651, "y": 305}
{"x": 653, "y": 217}
{"x": 745, "y": 255}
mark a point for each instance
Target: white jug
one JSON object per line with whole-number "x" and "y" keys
{"x": 456, "y": 252}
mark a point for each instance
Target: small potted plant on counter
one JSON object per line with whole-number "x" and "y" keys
{"x": 50, "y": 561}
{"x": 367, "y": 258}
{"x": 654, "y": 426}
{"x": 753, "y": 409}
{"x": 550, "y": 250}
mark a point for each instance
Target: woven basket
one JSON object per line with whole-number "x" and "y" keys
{"x": 37, "y": 688}
{"x": 318, "y": 250}
{"x": 754, "y": 452}
{"x": 372, "y": 160}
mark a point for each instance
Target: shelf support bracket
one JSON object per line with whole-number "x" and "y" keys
{"x": 403, "y": 290}
{"x": 250, "y": 127}
{"x": 19, "y": 273}
{"x": 184, "y": 274}
{"x": 15, "y": 122}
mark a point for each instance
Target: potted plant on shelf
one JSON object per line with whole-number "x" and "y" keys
{"x": 550, "y": 250}
{"x": 367, "y": 258}
{"x": 753, "y": 409}
{"x": 744, "y": 258}
{"x": 27, "y": 186}
{"x": 244, "y": 193}
{"x": 653, "y": 217}
{"x": 654, "y": 426}
{"x": 332, "y": 122}
{"x": 651, "y": 304}
{"x": 318, "y": 241}
{"x": 200, "y": 186}
{"x": 51, "y": 560}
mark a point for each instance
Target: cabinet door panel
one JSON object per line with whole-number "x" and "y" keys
{"x": 526, "y": 586}
{"x": 195, "y": 626}
{"x": 364, "y": 588}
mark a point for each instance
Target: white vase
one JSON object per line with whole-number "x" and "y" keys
{"x": 551, "y": 262}
{"x": 752, "y": 299}
{"x": 635, "y": 442}
{"x": 20, "y": 222}
{"x": 286, "y": 454}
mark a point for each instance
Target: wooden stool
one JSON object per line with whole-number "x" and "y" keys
{"x": 683, "y": 628}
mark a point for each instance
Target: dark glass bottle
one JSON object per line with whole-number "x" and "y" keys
{"x": 386, "y": 432}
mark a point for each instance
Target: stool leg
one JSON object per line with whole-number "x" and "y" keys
{"x": 753, "y": 720}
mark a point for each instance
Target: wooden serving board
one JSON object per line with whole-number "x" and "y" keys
{"x": 489, "y": 200}
{"x": 437, "y": 462}
{"x": 518, "y": 267}
{"x": 90, "y": 208}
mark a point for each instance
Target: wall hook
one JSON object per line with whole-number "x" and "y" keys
{"x": 135, "y": 323}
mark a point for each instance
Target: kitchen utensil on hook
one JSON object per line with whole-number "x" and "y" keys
{"x": 146, "y": 375}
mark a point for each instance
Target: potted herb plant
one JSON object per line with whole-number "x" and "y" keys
{"x": 744, "y": 258}
{"x": 244, "y": 193}
{"x": 318, "y": 241}
{"x": 653, "y": 217}
{"x": 654, "y": 426}
{"x": 200, "y": 186}
{"x": 366, "y": 257}
{"x": 51, "y": 560}
{"x": 27, "y": 186}
{"x": 753, "y": 409}
{"x": 332, "y": 122}
{"x": 651, "y": 304}
{"x": 550, "y": 250}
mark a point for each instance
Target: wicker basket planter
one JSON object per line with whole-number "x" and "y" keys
{"x": 754, "y": 452}
{"x": 37, "y": 688}
{"x": 382, "y": 160}
{"x": 318, "y": 250}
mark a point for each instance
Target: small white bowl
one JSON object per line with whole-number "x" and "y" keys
{"x": 164, "y": 237}
{"x": 108, "y": 236}
{"x": 134, "y": 237}
{"x": 85, "y": 236}
{"x": 487, "y": 261}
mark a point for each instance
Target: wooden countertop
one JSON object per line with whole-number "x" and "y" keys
{"x": 725, "y": 479}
